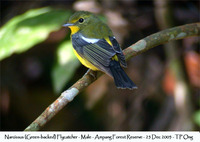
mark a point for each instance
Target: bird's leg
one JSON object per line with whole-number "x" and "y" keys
{"x": 91, "y": 72}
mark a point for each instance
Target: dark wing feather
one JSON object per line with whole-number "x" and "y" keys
{"x": 99, "y": 54}
{"x": 78, "y": 43}
{"x": 118, "y": 50}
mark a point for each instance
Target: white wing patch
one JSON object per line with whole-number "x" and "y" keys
{"x": 90, "y": 40}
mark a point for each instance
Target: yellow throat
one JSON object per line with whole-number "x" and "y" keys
{"x": 74, "y": 29}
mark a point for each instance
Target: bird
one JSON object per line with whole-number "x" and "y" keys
{"x": 96, "y": 47}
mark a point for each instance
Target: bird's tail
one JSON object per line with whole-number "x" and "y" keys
{"x": 120, "y": 77}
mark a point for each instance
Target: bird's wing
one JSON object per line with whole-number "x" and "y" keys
{"x": 118, "y": 50}
{"x": 98, "y": 52}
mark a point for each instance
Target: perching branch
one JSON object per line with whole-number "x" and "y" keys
{"x": 139, "y": 47}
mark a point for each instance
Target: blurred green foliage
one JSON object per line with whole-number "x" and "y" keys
{"x": 24, "y": 31}
{"x": 65, "y": 67}
{"x": 197, "y": 117}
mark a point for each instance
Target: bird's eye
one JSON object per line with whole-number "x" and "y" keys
{"x": 81, "y": 20}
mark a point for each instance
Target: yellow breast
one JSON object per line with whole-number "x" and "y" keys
{"x": 85, "y": 62}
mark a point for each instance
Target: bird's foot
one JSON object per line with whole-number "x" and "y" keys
{"x": 92, "y": 73}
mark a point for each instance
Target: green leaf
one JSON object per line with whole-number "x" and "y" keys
{"x": 24, "y": 31}
{"x": 66, "y": 65}
{"x": 197, "y": 118}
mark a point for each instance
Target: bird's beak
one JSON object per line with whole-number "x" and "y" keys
{"x": 68, "y": 24}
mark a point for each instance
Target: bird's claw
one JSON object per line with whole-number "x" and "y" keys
{"x": 91, "y": 72}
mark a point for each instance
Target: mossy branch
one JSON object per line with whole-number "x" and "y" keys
{"x": 139, "y": 47}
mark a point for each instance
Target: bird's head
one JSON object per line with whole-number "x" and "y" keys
{"x": 81, "y": 20}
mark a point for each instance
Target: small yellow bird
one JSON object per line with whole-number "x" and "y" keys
{"x": 96, "y": 47}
